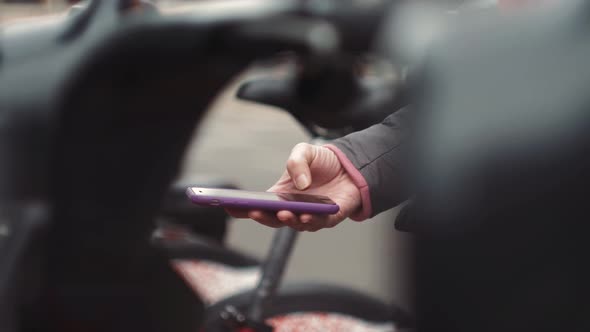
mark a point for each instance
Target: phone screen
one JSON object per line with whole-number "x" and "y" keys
{"x": 267, "y": 196}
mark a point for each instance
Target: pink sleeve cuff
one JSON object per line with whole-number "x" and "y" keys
{"x": 358, "y": 180}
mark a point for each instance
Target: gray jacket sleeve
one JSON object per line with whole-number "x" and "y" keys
{"x": 378, "y": 153}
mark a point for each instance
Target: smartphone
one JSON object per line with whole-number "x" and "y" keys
{"x": 269, "y": 201}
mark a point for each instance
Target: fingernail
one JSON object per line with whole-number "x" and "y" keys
{"x": 302, "y": 182}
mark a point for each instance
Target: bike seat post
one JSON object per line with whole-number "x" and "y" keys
{"x": 272, "y": 272}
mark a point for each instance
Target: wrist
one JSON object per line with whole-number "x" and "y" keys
{"x": 359, "y": 181}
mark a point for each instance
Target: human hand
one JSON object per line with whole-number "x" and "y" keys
{"x": 312, "y": 170}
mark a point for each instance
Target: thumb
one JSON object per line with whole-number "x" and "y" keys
{"x": 298, "y": 165}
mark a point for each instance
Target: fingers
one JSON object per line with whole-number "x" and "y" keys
{"x": 298, "y": 165}
{"x": 306, "y": 218}
{"x": 314, "y": 223}
{"x": 290, "y": 219}
{"x": 265, "y": 218}
{"x": 305, "y": 222}
{"x": 313, "y": 228}
{"x": 280, "y": 219}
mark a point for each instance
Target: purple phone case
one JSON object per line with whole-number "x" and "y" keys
{"x": 260, "y": 204}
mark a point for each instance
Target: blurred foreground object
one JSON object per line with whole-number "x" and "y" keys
{"x": 503, "y": 172}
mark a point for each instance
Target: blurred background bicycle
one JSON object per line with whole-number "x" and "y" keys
{"x": 237, "y": 130}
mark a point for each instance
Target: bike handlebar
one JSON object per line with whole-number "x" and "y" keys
{"x": 331, "y": 103}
